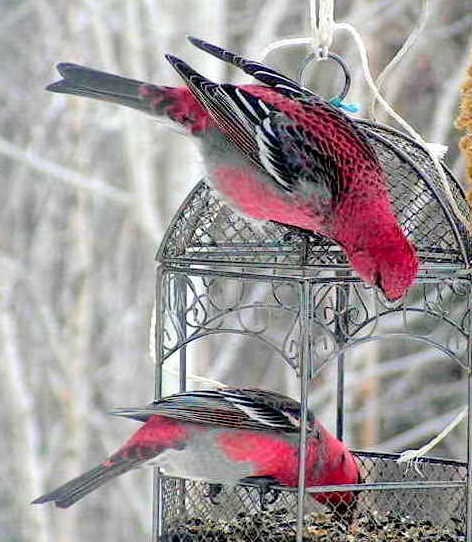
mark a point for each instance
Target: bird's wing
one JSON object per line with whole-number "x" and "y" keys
{"x": 297, "y": 158}
{"x": 236, "y": 408}
{"x": 266, "y": 75}
{"x": 270, "y": 139}
{"x": 234, "y": 110}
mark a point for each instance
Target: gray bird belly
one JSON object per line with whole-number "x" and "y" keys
{"x": 203, "y": 460}
{"x": 249, "y": 190}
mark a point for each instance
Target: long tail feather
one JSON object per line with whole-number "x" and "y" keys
{"x": 82, "y": 81}
{"x": 72, "y": 491}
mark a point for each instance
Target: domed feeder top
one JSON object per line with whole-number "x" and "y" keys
{"x": 205, "y": 231}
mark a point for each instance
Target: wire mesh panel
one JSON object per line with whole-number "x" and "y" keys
{"x": 206, "y": 231}
{"x": 415, "y": 513}
{"x": 440, "y": 506}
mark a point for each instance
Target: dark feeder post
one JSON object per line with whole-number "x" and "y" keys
{"x": 208, "y": 244}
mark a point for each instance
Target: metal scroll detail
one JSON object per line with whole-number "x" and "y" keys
{"x": 436, "y": 314}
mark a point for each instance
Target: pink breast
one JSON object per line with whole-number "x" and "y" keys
{"x": 256, "y": 198}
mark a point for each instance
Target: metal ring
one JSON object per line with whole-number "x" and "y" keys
{"x": 339, "y": 60}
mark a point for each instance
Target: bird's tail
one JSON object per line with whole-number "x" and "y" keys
{"x": 72, "y": 491}
{"x": 82, "y": 81}
{"x": 166, "y": 103}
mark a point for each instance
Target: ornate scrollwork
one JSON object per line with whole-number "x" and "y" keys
{"x": 342, "y": 314}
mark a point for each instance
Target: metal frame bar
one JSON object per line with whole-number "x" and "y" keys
{"x": 180, "y": 295}
{"x": 157, "y": 502}
{"x": 306, "y": 312}
{"x": 341, "y": 322}
{"x": 469, "y": 438}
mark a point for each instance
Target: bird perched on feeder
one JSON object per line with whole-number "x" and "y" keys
{"x": 225, "y": 436}
{"x": 277, "y": 152}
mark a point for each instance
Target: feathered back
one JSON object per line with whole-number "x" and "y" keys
{"x": 236, "y": 408}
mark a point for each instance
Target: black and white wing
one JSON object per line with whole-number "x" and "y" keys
{"x": 263, "y": 133}
{"x": 235, "y": 111}
{"x": 236, "y": 408}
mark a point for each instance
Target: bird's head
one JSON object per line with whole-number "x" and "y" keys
{"x": 389, "y": 262}
{"x": 339, "y": 467}
{"x": 344, "y": 504}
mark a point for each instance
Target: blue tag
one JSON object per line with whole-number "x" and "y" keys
{"x": 352, "y": 108}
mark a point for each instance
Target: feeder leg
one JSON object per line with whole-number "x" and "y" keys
{"x": 340, "y": 329}
{"x": 306, "y": 308}
{"x": 180, "y": 292}
{"x": 157, "y": 515}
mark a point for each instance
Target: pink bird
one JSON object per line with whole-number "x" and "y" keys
{"x": 225, "y": 436}
{"x": 277, "y": 152}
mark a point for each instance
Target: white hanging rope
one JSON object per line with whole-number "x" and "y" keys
{"x": 322, "y": 25}
{"x": 283, "y": 44}
{"x": 322, "y": 31}
{"x": 409, "y": 456}
{"x": 407, "y": 45}
{"x": 323, "y": 28}
{"x": 369, "y": 79}
{"x": 435, "y": 151}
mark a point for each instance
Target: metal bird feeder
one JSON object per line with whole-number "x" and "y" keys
{"x": 296, "y": 295}
{"x": 327, "y": 313}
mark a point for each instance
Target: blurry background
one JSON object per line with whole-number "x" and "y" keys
{"x": 88, "y": 190}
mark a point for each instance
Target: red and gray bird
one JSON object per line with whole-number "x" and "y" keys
{"x": 225, "y": 436}
{"x": 277, "y": 152}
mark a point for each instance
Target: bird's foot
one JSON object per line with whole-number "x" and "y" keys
{"x": 267, "y": 494}
{"x": 213, "y": 491}
{"x": 295, "y": 232}
{"x": 306, "y": 237}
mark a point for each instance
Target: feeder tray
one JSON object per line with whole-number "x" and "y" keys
{"x": 389, "y": 514}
